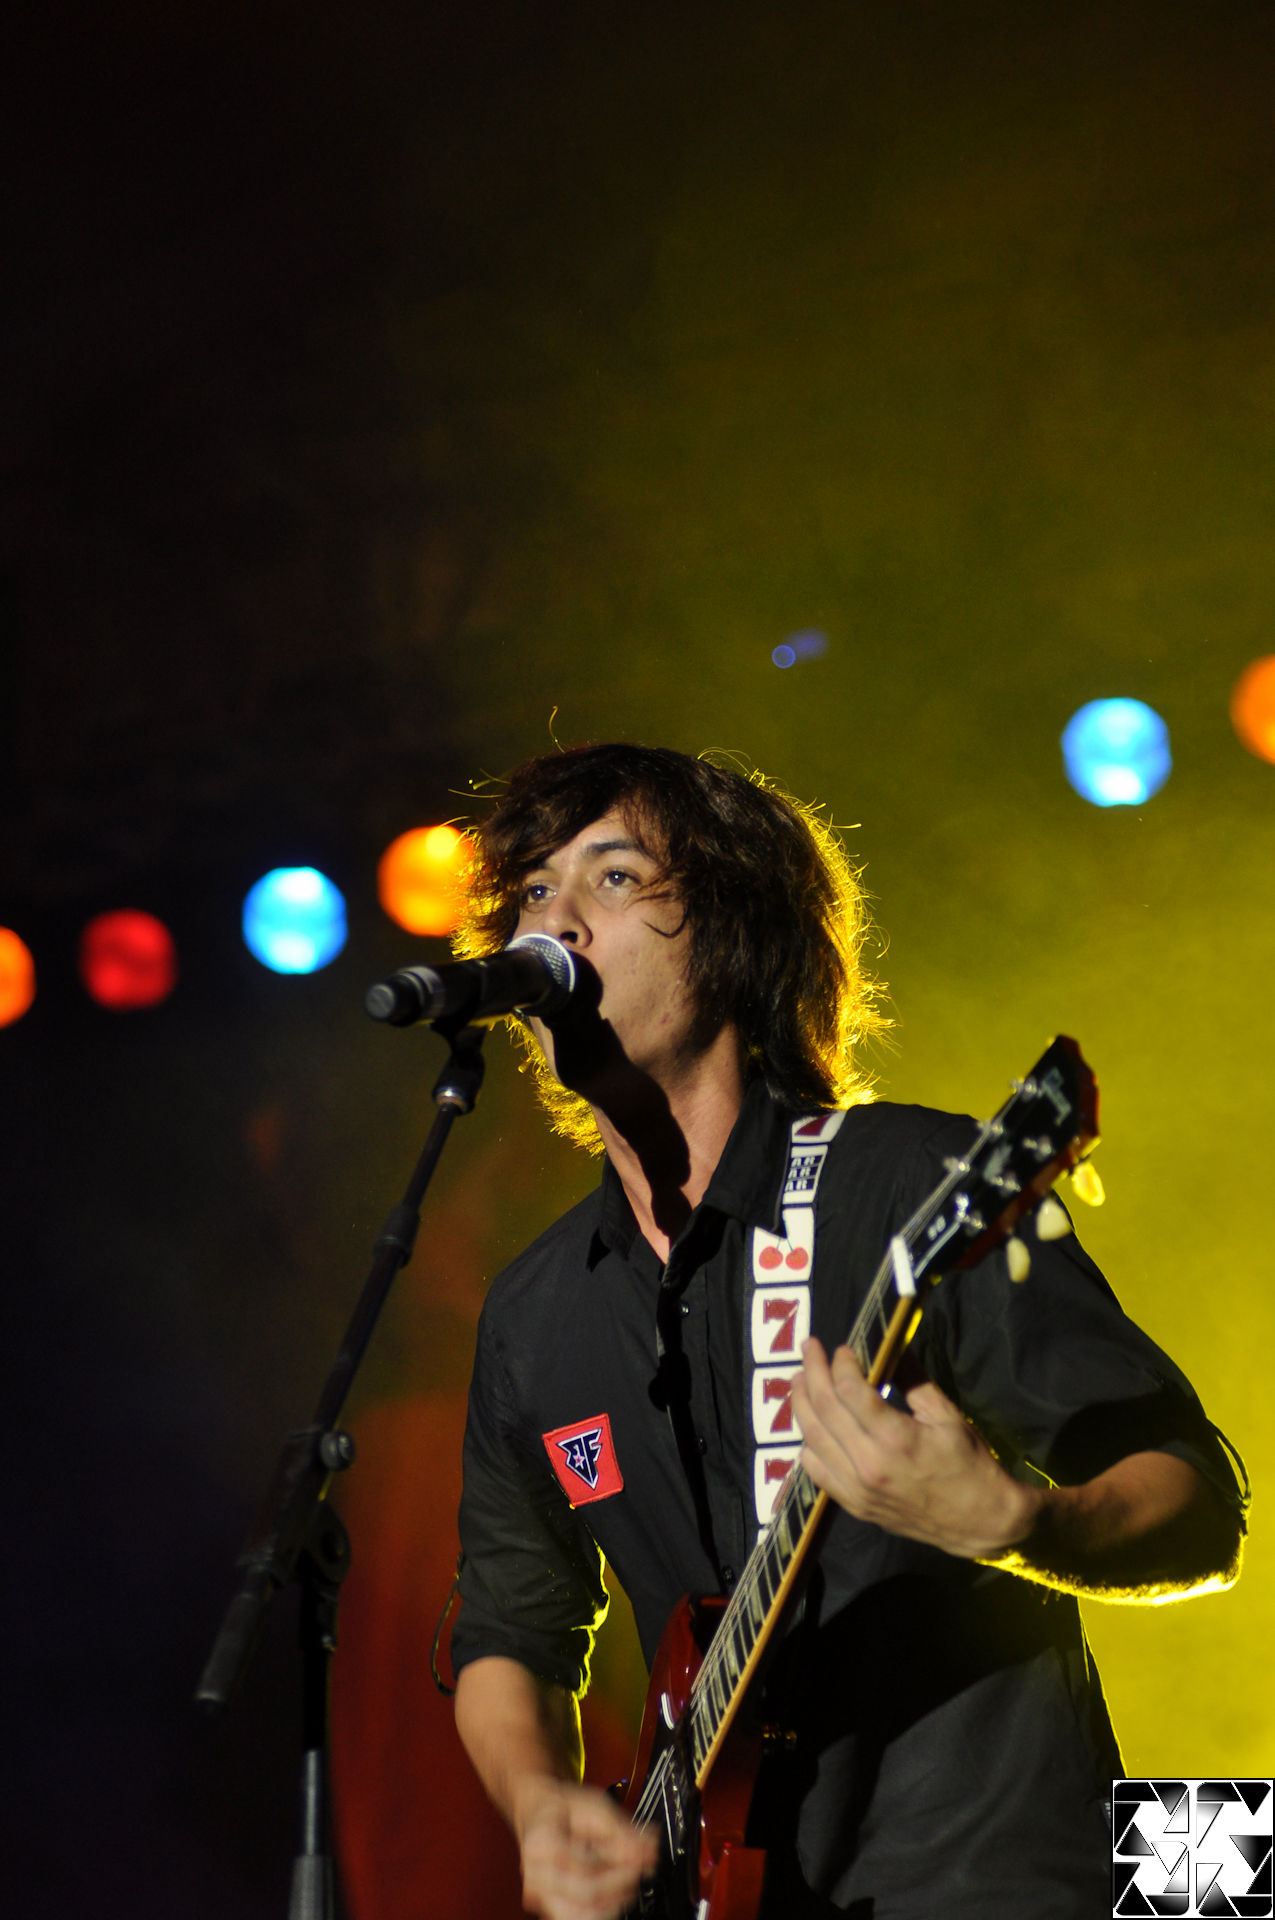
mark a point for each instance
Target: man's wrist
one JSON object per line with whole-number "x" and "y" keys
{"x": 1028, "y": 1524}
{"x": 527, "y": 1795}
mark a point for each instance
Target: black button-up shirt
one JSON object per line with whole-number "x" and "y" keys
{"x": 953, "y": 1746}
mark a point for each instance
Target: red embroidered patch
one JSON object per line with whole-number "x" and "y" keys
{"x": 583, "y": 1457}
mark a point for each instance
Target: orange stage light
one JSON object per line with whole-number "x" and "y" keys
{"x": 128, "y": 960}
{"x": 422, "y": 877}
{"x": 1253, "y": 707}
{"x": 17, "y": 977}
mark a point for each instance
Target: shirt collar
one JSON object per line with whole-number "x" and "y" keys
{"x": 747, "y": 1182}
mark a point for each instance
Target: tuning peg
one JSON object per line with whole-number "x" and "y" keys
{"x": 1051, "y": 1220}
{"x": 1018, "y": 1258}
{"x": 1087, "y": 1182}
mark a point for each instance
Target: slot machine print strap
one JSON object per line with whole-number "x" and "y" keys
{"x": 779, "y": 1315}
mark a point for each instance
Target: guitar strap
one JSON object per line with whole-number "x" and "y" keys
{"x": 777, "y": 1309}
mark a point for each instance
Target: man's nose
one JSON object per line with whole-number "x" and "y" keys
{"x": 566, "y": 920}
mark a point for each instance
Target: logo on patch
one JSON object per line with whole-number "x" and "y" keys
{"x": 582, "y": 1451}
{"x": 583, "y": 1457}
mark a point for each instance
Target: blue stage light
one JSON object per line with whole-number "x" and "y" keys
{"x": 1116, "y": 752}
{"x": 806, "y": 645}
{"x": 294, "y": 920}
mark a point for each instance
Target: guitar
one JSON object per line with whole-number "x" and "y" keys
{"x": 701, "y": 1740}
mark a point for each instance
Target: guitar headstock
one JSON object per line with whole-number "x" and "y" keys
{"x": 1049, "y": 1122}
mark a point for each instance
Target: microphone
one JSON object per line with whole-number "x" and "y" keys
{"x": 536, "y": 973}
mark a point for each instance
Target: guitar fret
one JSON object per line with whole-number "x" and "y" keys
{"x": 739, "y": 1649}
{"x": 718, "y": 1693}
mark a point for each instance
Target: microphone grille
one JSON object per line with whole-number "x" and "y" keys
{"x": 381, "y": 1001}
{"x": 560, "y": 963}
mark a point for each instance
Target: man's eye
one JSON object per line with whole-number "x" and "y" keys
{"x": 535, "y": 895}
{"x": 617, "y": 877}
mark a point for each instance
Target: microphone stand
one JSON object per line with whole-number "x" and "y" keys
{"x": 298, "y": 1536}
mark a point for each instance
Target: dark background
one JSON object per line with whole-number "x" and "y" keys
{"x": 378, "y": 381}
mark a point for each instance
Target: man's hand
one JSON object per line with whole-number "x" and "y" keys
{"x": 931, "y": 1478}
{"x": 581, "y": 1858}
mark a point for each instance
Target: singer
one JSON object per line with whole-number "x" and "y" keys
{"x": 949, "y": 1747}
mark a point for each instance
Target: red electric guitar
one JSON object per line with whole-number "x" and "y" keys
{"x": 701, "y": 1739}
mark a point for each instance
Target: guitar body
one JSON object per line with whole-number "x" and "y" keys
{"x": 719, "y": 1878}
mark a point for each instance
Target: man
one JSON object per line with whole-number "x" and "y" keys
{"x": 952, "y": 1748}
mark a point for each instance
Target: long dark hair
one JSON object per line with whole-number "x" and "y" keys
{"x": 776, "y": 913}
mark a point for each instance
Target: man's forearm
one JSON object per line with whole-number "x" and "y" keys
{"x": 521, "y": 1733}
{"x": 580, "y": 1855}
{"x": 1150, "y": 1527}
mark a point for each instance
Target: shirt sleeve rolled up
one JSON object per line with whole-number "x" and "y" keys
{"x": 531, "y": 1581}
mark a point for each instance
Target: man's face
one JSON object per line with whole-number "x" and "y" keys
{"x": 601, "y": 895}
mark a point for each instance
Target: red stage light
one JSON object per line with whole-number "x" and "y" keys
{"x": 17, "y": 977}
{"x": 128, "y": 960}
{"x": 1253, "y": 707}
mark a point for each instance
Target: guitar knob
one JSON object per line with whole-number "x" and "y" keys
{"x": 1020, "y": 1261}
{"x": 1051, "y": 1220}
{"x": 1087, "y": 1182}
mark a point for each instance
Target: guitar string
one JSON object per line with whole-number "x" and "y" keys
{"x": 653, "y": 1791}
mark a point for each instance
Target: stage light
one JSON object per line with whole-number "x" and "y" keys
{"x": 127, "y": 960}
{"x": 294, "y": 920}
{"x": 1116, "y": 752}
{"x": 421, "y": 878}
{"x": 1253, "y": 707}
{"x": 806, "y": 645}
{"x": 17, "y": 977}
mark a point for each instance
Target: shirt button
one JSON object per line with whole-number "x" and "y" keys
{"x": 685, "y": 1308}
{"x": 728, "y": 1575}
{"x": 701, "y": 1443}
